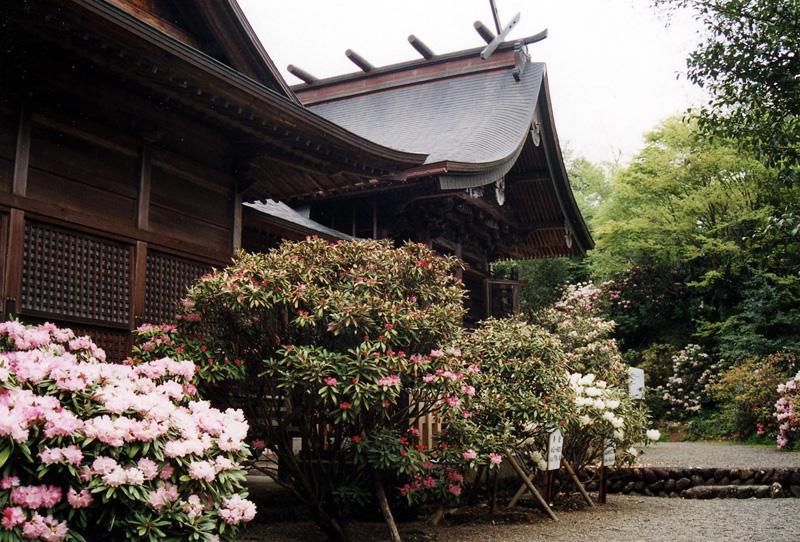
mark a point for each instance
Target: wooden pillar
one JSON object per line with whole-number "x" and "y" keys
{"x": 12, "y": 282}
{"x": 139, "y": 278}
{"x": 143, "y": 223}
{"x": 515, "y": 291}
{"x": 487, "y": 292}
{"x": 237, "y": 221}
{"x": 23, "y": 152}
{"x": 459, "y": 253}
{"x": 143, "y": 200}
{"x": 14, "y": 254}
{"x": 374, "y": 219}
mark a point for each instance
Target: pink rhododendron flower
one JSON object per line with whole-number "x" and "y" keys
{"x": 329, "y": 381}
{"x": 470, "y": 454}
{"x": 148, "y": 467}
{"x": 12, "y": 516}
{"x": 166, "y": 472}
{"x": 495, "y": 458}
{"x": 388, "y": 381}
{"x": 237, "y": 510}
{"x": 33, "y": 497}
{"x": 455, "y": 489}
{"x": 9, "y": 482}
{"x": 79, "y": 500}
{"x": 202, "y": 470}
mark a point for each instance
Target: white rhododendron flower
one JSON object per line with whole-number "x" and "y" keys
{"x": 653, "y": 434}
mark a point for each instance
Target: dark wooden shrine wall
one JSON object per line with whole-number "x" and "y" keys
{"x": 101, "y": 233}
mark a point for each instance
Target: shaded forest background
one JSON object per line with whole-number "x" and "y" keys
{"x": 698, "y": 236}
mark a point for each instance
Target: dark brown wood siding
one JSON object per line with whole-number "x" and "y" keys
{"x": 82, "y": 176}
{"x": 100, "y": 230}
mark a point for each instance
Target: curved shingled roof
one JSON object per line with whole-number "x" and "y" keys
{"x": 478, "y": 118}
{"x": 480, "y": 122}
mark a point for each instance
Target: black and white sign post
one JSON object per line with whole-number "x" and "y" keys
{"x": 609, "y": 458}
{"x": 636, "y": 382}
{"x": 555, "y": 446}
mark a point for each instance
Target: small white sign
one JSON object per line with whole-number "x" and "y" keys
{"x": 636, "y": 382}
{"x": 609, "y": 454}
{"x": 555, "y": 444}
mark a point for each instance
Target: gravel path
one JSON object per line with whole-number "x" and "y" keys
{"x": 623, "y": 519}
{"x": 717, "y": 454}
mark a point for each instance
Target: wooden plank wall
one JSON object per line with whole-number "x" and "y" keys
{"x": 96, "y": 191}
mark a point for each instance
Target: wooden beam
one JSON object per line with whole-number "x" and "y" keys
{"x": 301, "y": 74}
{"x": 22, "y": 153}
{"x": 420, "y": 47}
{"x": 143, "y": 198}
{"x": 359, "y": 61}
{"x": 483, "y": 31}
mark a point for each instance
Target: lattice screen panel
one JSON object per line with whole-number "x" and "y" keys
{"x": 73, "y": 275}
{"x": 166, "y": 282}
{"x": 116, "y": 342}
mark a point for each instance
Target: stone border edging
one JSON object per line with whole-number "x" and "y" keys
{"x": 674, "y": 482}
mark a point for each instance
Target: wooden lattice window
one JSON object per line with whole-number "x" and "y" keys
{"x": 115, "y": 342}
{"x": 166, "y": 282}
{"x": 75, "y": 276}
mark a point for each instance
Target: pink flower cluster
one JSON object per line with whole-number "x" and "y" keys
{"x": 389, "y": 381}
{"x": 71, "y": 455}
{"x": 45, "y": 528}
{"x": 33, "y": 497}
{"x": 237, "y": 510}
{"x": 786, "y": 411}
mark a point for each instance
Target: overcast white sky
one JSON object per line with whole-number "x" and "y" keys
{"x": 612, "y": 64}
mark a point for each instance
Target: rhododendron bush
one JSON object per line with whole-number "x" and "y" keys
{"x": 787, "y": 412}
{"x": 605, "y": 414}
{"x": 516, "y": 391}
{"x": 599, "y": 380}
{"x": 586, "y": 335}
{"x": 689, "y": 388}
{"x": 341, "y": 346}
{"x": 97, "y": 451}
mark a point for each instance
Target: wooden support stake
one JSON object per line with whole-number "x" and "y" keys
{"x": 601, "y": 494}
{"x": 517, "y": 496}
{"x": 521, "y": 473}
{"x": 437, "y": 516}
{"x": 577, "y": 482}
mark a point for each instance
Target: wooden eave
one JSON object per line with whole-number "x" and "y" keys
{"x": 240, "y": 42}
{"x": 133, "y": 49}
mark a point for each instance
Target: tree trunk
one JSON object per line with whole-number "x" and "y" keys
{"x": 493, "y": 493}
{"x": 328, "y": 524}
{"x": 394, "y": 534}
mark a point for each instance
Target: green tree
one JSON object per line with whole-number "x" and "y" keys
{"x": 682, "y": 235}
{"x": 749, "y": 61}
